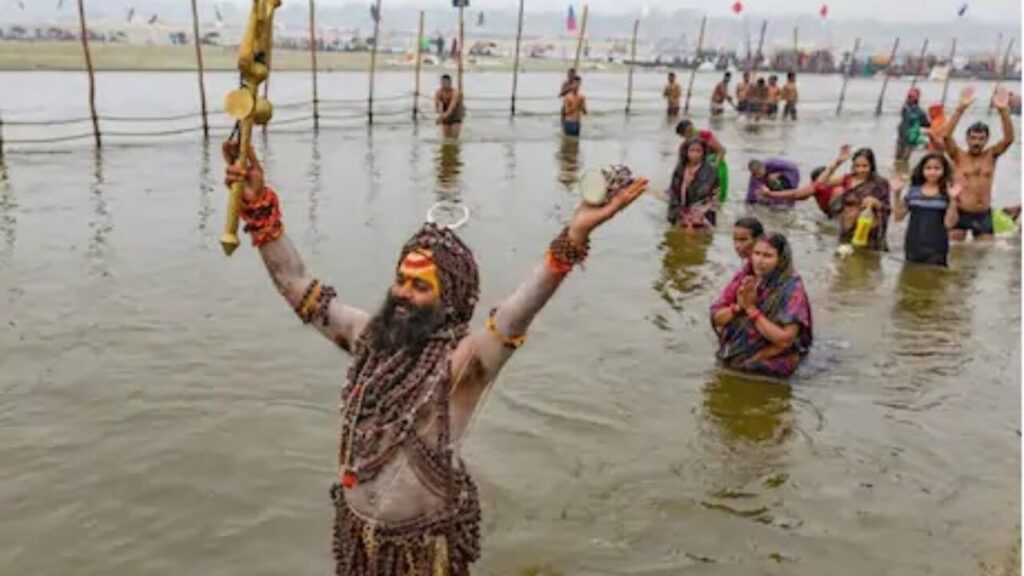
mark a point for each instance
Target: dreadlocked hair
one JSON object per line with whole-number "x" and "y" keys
{"x": 397, "y": 384}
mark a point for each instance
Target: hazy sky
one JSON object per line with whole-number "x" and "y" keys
{"x": 892, "y": 10}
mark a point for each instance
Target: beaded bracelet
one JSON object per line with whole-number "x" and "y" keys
{"x": 562, "y": 255}
{"x": 263, "y": 218}
{"x": 309, "y": 297}
{"x": 513, "y": 342}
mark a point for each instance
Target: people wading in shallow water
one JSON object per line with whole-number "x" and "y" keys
{"x": 931, "y": 203}
{"x": 721, "y": 95}
{"x": 449, "y": 108}
{"x": 687, "y": 130}
{"x": 977, "y": 166}
{"x": 574, "y": 107}
{"x": 864, "y": 199}
{"x": 745, "y": 233}
{"x": 790, "y": 96}
{"x": 404, "y": 502}
{"x": 763, "y": 317}
{"x": 909, "y": 134}
{"x": 693, "y": 194}
{"x": 673, "y": 93}
{"x": 824, "y": 193}
{"x": 773, "y": 174}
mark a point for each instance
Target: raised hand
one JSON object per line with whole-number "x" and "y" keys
{"x": 251, "y": 177}
{"x": 845, "y": 153}
{"x": 966, "y": 98}
{"x": 1001, "y": 99}
{"x": 896, "y": 183}
{"x": 955, "y": 188}
{"x": 588, "y": 217}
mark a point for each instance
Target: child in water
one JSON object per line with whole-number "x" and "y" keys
{"x": 932, "y": 205}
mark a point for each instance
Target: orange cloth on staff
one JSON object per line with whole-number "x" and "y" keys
{"x": 937, "y": 115}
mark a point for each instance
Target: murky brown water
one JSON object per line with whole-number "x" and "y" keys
{"x": 162, "y": 411}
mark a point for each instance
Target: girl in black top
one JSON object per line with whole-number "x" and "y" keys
{"x": 931, "y": 203}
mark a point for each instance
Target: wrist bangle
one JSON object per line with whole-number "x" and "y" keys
{"x": 754, "y": 315}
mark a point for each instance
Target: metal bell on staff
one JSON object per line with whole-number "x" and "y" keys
{"x": 245, "y": 105}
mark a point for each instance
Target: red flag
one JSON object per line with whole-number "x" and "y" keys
{"x": 824, "y": 11}
{"x": 571, "y": 22}
{"x": 737, "y": 7}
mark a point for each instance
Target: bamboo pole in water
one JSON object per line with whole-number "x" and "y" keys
{"x": 693, "y": 73}
{"x": 312, "y": 59}
{"x": 632, "y": 64}
{"x": 949, "y": 74}
{"x": 1001, "y": 73}
{"x": 419, "y": 65}
{"x": 581, "y": 39}
{"x": 796, "y": 44}
{"x": 373, "y": 62}
{"x": 846, "y": 76}
{"x": 920, "y": 64}
{"x": 760, "y": 47}
{"x": 462, "y": 47}
{"x": 88, "y": 67}
{"x": 199, "y": 64}
{"x": 885, "y": 79}
{"x": 515, "y": 60}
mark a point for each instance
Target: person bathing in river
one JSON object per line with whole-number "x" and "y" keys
{"x": 864, "y": 192}
{"x": 449, "y": 107}
{"x": 931, "y": 203}
{"x": 763, "y": 318}
{"x": 823, "y": 193}
{"x": 673, "y": 93}
{"x": 403, "y": 500}
{"x": 774, "y": 97}
{"x": 912, "y": 121}
{"x": 977, "y": 166}
{"x": 687, "y": 130}
{"x": 790, "y": 95}
{"x": 774, "y": 174}
{"x": 574, "y": 107}
{"x": 693, "y": 194}
{"x": 745, "y": 233}
{"x": 721, "y": 95}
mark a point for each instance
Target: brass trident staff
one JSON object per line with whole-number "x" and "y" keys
{"x": 245, "y": 105}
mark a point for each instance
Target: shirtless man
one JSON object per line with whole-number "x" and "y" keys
{"x": 743, "y": 93}
{"x": 448, "y": 104}
{"x": 403, "y": 500}
{"x": 574, "y": 106}
{"x": 721, "y": 95}
{"x": 977, "y": 166}
{"x": 673, "y": 93}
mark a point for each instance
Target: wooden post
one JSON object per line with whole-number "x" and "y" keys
{"x": 462, "y": 47}
{"x": 312, "y": 58}
{"x": 949, "y": 75}
{"x": 199, "y": 62}
{"x": 920, "y": 64}
{"x": 693, "y": 73}
{"x": 796, "y": 44}
{"x": 885, "y": 80}
{"x": 1001, "y": 73}
{"x": 580, "y": 40}
{"x": 515, "y": 60}
{"x": 88, "y": 67}
{"x": 373, "y": 62}
{"x": 846, "y": 75}
{"x": 760, "y": 47}
{"x": 419, "y": 65}
{"x": 632, "y": 63}
{"x": 1, "y": 135}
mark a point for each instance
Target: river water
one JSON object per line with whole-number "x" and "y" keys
{"x": 163, "y": 412}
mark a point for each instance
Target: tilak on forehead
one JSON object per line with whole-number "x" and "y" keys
{"x": 419, "y": 265}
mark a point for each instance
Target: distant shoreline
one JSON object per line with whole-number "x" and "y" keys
{"x": 107, "y": 57}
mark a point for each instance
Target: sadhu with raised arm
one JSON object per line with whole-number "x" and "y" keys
{"x": 404, "y": 502}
